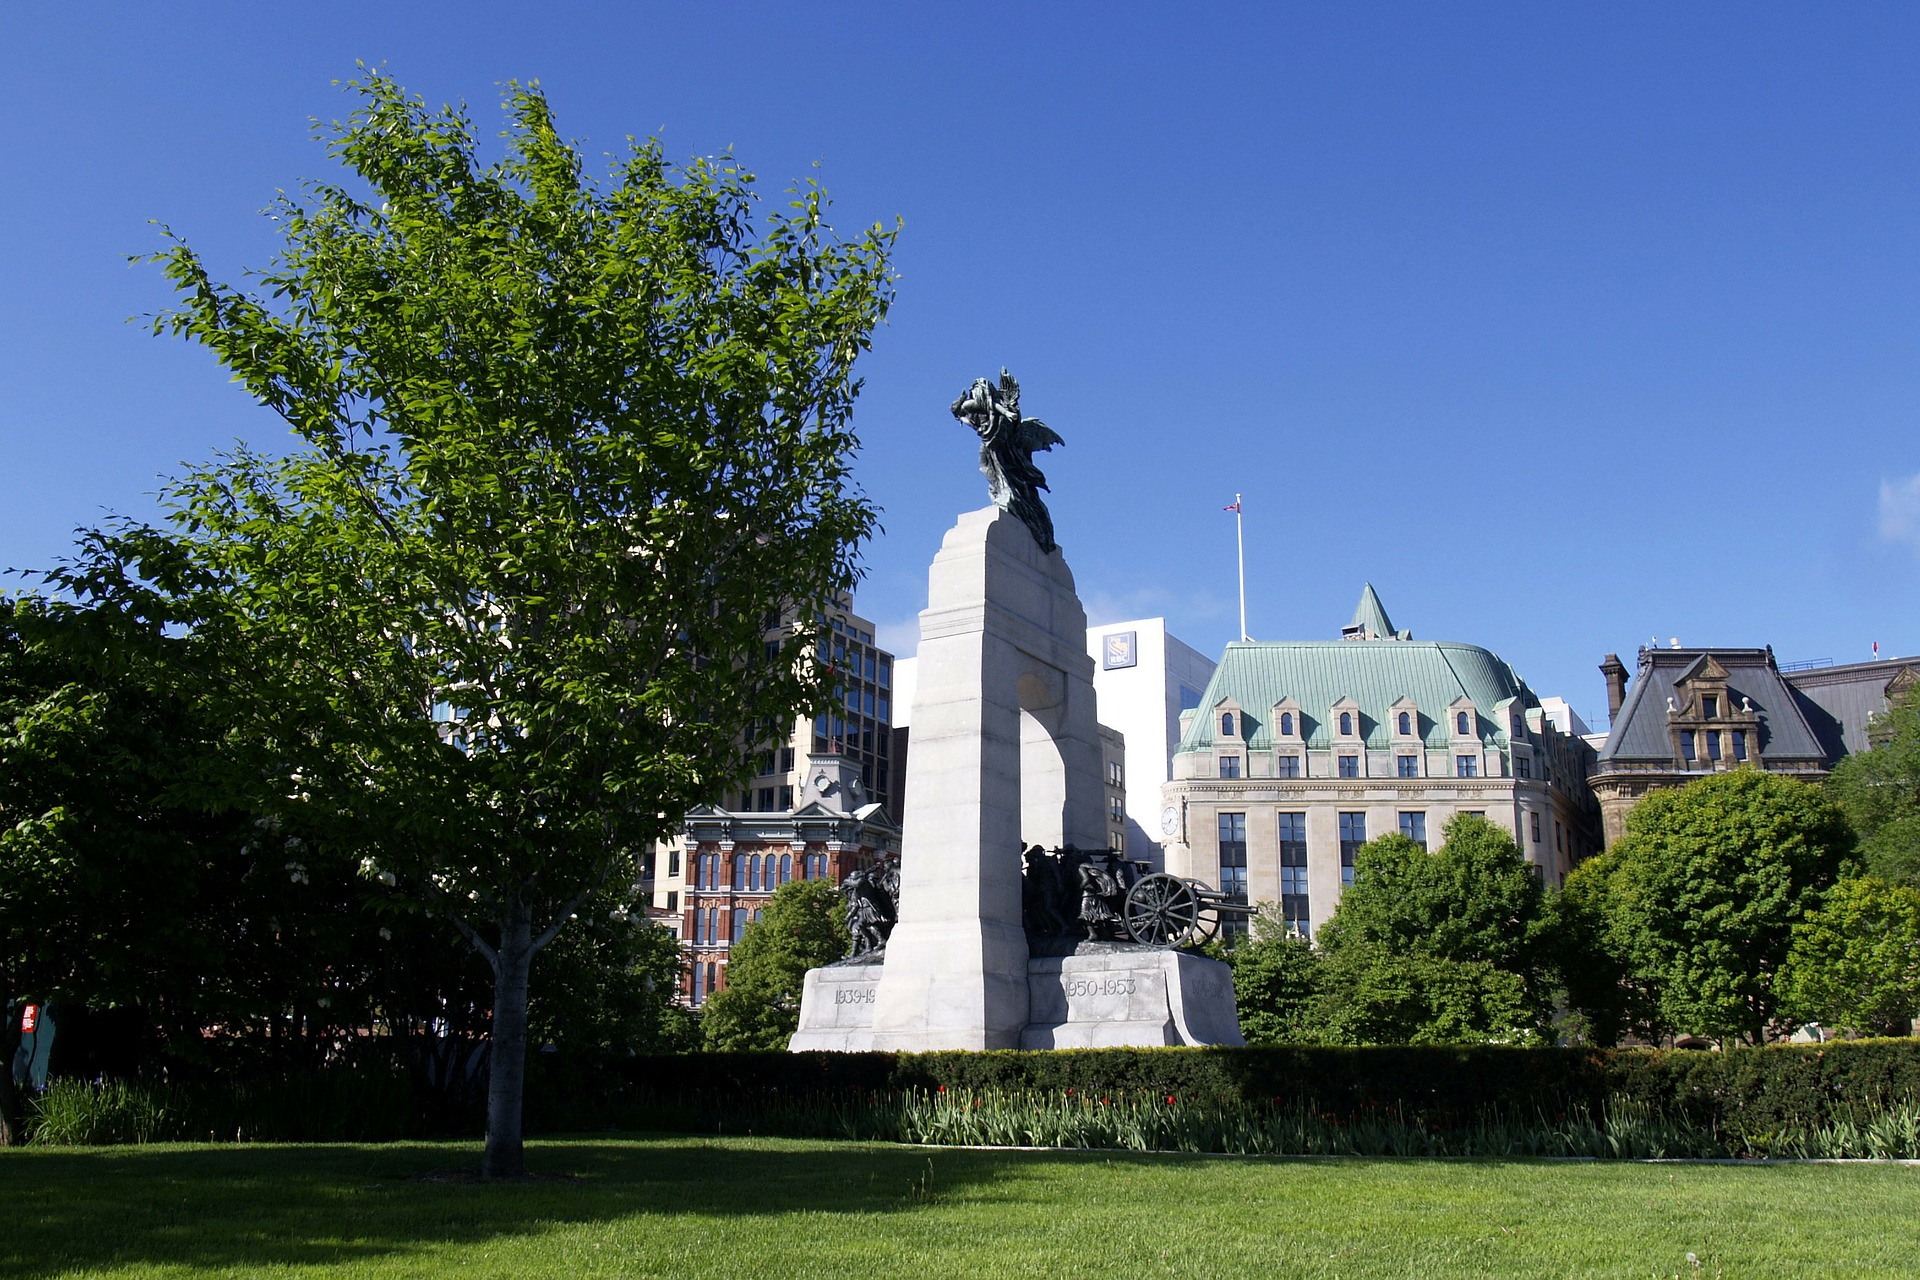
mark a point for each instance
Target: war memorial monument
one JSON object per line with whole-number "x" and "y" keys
{"x": 1007, "y": 924}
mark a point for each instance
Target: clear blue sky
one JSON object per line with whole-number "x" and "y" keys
{"x": 1566, "y": 326}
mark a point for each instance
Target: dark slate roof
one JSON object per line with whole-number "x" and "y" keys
{"x": 1838, "y": 701}
{"x": 1639, "y": 732}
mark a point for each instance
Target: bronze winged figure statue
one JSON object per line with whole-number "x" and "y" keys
{"x": 1007, "y": 445}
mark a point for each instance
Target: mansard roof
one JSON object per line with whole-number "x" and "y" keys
{"x": 1316, "y": 674}
{"x": 1639, "y": 733}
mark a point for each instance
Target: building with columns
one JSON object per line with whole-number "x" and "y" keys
{"x": 821, "y": 802}
{"x": 1302, "y": 751}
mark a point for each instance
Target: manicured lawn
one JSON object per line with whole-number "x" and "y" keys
{"x": 675, "y": 1206}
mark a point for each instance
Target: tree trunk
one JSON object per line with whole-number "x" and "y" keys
{"x": 507, "y": 1047}
{"x": 12, "y": 1119}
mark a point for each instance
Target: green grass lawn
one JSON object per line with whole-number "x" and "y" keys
{"x": 677, "y": 1206}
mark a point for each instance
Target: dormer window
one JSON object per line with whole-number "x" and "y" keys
{"x": 1462, "y": 725}
{"x": 1226, "y": 725}
{"x": 1346, "y": 724}
{"x": 1406, "y": 722}
{"x": 1286, "y": 724}
{"x": 1710, "y": 706}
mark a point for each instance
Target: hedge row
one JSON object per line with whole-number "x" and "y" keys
{"x": 1749, "y": 1097}
{"x": 1742, "y": 1088}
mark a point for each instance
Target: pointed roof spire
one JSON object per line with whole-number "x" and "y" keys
{"x": 1370, "y": 621}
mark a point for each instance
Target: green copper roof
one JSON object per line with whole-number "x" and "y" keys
{"x": 1374, "y": 673}
{"x": 1370, "y": 616}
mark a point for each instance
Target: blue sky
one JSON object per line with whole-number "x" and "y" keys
{"x": 1567, "y": 327}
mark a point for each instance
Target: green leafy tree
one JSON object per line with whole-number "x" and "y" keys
{"x": 1855, "y": 962}
{"x": 608, "y": 985}
{"x": 1450, "y": 946}
{"x": 1611, "y": 990}
{"x": 804, "y": 925}
{"x": 1706, "y": 887}
{"x": 1879, "y": 791}
{"x": 499, "y": 618}
{"x": 1276, "y": 982}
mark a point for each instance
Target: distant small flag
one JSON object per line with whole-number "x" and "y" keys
{"x": 1876, "y": 648}
{"x": 1233, "y": 506}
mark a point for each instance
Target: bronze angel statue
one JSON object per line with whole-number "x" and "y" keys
{"x": 1007, "y": 445}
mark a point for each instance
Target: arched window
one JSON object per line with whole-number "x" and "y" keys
{"x": 1346, "y": 722}
{"x": 1226, "y": 725}
{"x": 1460, "y": 724}
{"x": 699, "y": 983}
{"x": 739, "y": 871}
{"x": 698, "y": 921}
{"x": 786, "y": 867}
{"x": 1406, "y": 723}
{"x": 712, "y": 970}
{"x": 760, "y": 881}
{"x": 1286, "y": 724}
{"x": 739, "y": 923}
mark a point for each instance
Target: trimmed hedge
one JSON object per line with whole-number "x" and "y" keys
{"x": 1746, "y": 1089}
{"x": 1750, "y": 1101}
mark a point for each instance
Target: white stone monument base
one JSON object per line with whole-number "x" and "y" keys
{"x": 836, "y": 1008}
{"x": 1132, "y": 997}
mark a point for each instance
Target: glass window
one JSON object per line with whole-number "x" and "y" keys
{"x": 1460, "y": 724}
{"x": 1346, "y": 723}
{"x": 1349, "y": 766}
{"x": 1293, "y": 871}
{"x": 1409, "y": 766}
{"x": 1739, "y": 744}
{"x": 739, "y": 871}
{"x": 1533, "y": 825}
{"x": 1710, "y": 707}
{"x": 1226, "y": 725}
{"x": 673, "y": 863}
{"x": 673, "y": 899}
{"x": 1286, "y": 724}
{"x": 1713, "y": 745}
{"x": 1233, "y": 856}
{"x": 1230, "y": 766}
{"x": 739, "y": 923}
{"x": 1414, "y": 827}
{"x": 1686, "y": 744}
{"x": 1466, "y": 766}
{"x": 786, "y": 867}
{"x": 1353, "y": 834}
{"x": 1289, "y": 766}
{"x": 699, "y": 983}
{"x": 886, "y": 674}
{"x": 1522, "y": 767}
{"x": 1406, "y": 723}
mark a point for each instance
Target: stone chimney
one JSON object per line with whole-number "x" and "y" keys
{"x": 1616, "y": 673}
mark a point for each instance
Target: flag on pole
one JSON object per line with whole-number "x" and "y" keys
{"x": 1234, "y": 507}
{"x": 1876, "y": 648}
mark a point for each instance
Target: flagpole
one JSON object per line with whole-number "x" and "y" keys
{"x": 1240, "y": 540}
